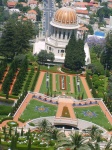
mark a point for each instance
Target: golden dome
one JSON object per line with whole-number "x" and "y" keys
{"x": 65, "y": 15}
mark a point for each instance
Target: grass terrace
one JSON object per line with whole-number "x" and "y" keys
{"x": 36, "y": 109}
{"x": 93, "y": 114}
{"x": 50, "y": 69}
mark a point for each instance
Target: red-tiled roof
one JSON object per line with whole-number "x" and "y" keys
{"x": 82, "y": 12}
{"x": 11, "y": 4}
{"x": 110, "y": 5}
{"x": 32, "y": 12}
{"x": 83, "y": 29}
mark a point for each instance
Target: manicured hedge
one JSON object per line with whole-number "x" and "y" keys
{"x": 70, "y": 71}
{"x": 9, "y": 77}
{"x": 35, "y": 79}
{"x": 21, "y": 120}
{"x": 6, "y": 101}
{"x": 20, "y": 77}
{"x": 10, "y": 96}
{"x": 3, "y": 67}
{"x": 6, "y": 118}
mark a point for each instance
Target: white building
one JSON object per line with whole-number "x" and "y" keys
{"x": 64, "y": 22}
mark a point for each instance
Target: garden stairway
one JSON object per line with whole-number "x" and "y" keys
{"x": 13, "y": 82}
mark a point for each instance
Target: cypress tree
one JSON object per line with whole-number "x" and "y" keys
{"x": 75, "y": 55}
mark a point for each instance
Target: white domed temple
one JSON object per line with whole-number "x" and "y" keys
{"x": 63, "y": 23}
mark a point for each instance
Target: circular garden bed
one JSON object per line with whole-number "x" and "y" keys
{"x": 12, "y": 124}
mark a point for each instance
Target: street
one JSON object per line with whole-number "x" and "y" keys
{"x": 48, "y": 11}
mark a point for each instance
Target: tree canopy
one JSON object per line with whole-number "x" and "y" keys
{"x": 15, "y": 38}
{"x": 75, "y": 56}
{"x": 106, "y": 57}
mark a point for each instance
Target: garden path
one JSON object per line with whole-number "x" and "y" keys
{"x": 104, "y": 109}
{"x": 13, "y": 82}
{"x": 4, "y": 77}
{"x": 22, "y": 107}
{"x": 89, "y": 95}
{"x": 39, "y": 81}
{"x": 54, "y": 81}
{"x": 71, "y": 84}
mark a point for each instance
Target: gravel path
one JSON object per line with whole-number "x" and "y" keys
{"x": 39, "y": 82}
{"x": 89, "y": 95}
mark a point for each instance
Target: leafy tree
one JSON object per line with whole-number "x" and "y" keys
{"x": 50, "y": 56}
{"x": 42, "y": 56}
{"x": 75, "y": 56}
{"x": 106, "y": 57}
{"x": 39, "y": 13}
{"x": 15, "y": 38}
{"x": 90, "y": 29}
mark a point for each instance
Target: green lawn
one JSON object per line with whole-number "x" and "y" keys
{"x": 31, "y": 113}
{"x": 68, "y": 84}
{"x": 51, "y": 68}
{"x": 100, "y": 119}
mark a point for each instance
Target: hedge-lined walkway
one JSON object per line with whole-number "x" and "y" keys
{"x": 12, "y": 85}
{"x": 4, "y": 77}
{"x": 83, "y": 79}
{"x": 39, "y": 81}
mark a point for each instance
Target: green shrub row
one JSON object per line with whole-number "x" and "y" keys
{"x": 6, "y": 118}
{"x": 20, "y": 78}
{"x": 27, "y": 84}
{"x": 35, "y": 79}
{"x": 10, "y": 96}
{"x": 91, "y": 86}
{"x": 21, "y": 120}
{"x": 9, "y": 77}
{"x": 2, "y": 70}
{"x": 19, "y": 101}
{"x": 70, "y": 71}
{"x": 6, "y": 101}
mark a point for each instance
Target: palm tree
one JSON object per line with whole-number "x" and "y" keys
{"x": 44, "y": 125}
{"x": 108, "y": 146}
{"x": 95, "y": 134}
{"x": 54, "y": 134}
{"x": 94, "y": 146}
{"x": 74, "y": 142}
